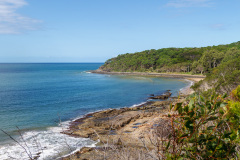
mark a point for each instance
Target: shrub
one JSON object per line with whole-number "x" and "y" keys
{"x": 236, "y": 93}
{"x": 203, "y": 129}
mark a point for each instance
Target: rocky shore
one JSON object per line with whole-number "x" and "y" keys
{"x": 124, "y": 128}
{"x": 120, "y": 127}
{"x": 126, "y": 132}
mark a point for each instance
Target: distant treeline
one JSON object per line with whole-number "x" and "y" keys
{"x": 220, "y": 62}
{"x": 194, "y": 60}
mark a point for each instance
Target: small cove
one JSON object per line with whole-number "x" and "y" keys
{"x": 36, "y": 97}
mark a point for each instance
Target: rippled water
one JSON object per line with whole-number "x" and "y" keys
{"x": 37, "y": 97}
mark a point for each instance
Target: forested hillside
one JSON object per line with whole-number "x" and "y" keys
{"x": 194, "y": 60}
{"x": 220, "y": 63}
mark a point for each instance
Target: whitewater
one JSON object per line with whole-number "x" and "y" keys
{"x": 42, "y": 99}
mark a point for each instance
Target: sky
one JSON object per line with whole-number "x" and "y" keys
{"x": 96, "y": 30}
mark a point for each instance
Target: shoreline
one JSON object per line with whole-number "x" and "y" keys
{"x": 77, "y": 129}
{"x": 129, "y": 124}
{"x": 186, "y": 90}
{"x": 170, "y": 75}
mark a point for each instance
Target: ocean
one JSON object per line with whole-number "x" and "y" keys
{"x": 37, "y": 102}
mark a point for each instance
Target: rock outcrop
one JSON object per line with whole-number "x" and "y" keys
{"x": 123, "y": 128}
{"x": 164, "y": 96}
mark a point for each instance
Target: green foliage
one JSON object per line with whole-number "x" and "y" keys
{"x": 236, "y": 93}
{"x": 204, "y": 128}
{"x": 225, "y": 77}
{"x": 234, "y": 107}
{"x": 195, "y": 86}
{"x": 208, "y": 93}
{"x": 186, "y": 60}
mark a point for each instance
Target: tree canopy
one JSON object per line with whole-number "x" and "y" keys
{"x": 193, "y": 60}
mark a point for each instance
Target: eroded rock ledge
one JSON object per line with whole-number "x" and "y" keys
{"x": 126, "y": 127}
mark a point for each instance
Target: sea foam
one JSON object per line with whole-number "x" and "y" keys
{"x": 48, "y": 144}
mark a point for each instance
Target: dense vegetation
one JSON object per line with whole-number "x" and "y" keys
{"x": 223, "y": 78}
{"x": 205, "y": 128}
{"x": 220, "y": 63}
{"x": 193, "y": 60}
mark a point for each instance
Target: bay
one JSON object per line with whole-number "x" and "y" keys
{"x": 37, "y": 97}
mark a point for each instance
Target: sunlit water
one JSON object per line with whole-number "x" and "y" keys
{"x": 37, "y": 97}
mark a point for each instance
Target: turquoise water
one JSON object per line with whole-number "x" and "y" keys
{"x": 36, "y": 97}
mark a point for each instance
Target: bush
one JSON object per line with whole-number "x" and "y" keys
{"x": 204, "y": 129}
{"x": 236, "y": 93}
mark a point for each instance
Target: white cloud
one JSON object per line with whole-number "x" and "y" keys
{"x": 189, "y": 3}
{"x": 10, "y": 21}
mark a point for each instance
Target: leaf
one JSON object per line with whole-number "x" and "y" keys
{"x": 189, "y": 124}
{"x": 201, "y": 139}
{"x": 186, "y": 108}
{"x": 202, "y": 110}
{"x": 212, "y": 97}
{"x": 168, "y": 144}
{"x": 220, "y": 123}
{"x": 211, "y": 127}
{"x": 221, "y": 111}
{"x": 204, "y": 122}
{"x": 198, "y": 115}
{"x": 212, "y": 118}
{"x": 223, "y": 104}
{"x": 227, "y": 135}
{"x": 191, "y": 114}
{"x": 191, "y": 104}
{"x": 183, "y": 135}
{"x": 202, "y": 99}
{"x": 186, "y": 118}
{"x": 225, "y": 95}
{"x": 178, "y": 107}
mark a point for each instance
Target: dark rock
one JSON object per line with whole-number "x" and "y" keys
{"x": 119, "y": 142}
{"x": 164, "y": 96}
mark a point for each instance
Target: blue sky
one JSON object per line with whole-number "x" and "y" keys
{"x": 94, "y": 30}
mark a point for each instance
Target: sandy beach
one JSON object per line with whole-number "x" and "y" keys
{"x": 173, "y": 75}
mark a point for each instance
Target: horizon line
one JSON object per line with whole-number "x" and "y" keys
{"x": 44, "y": 62}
